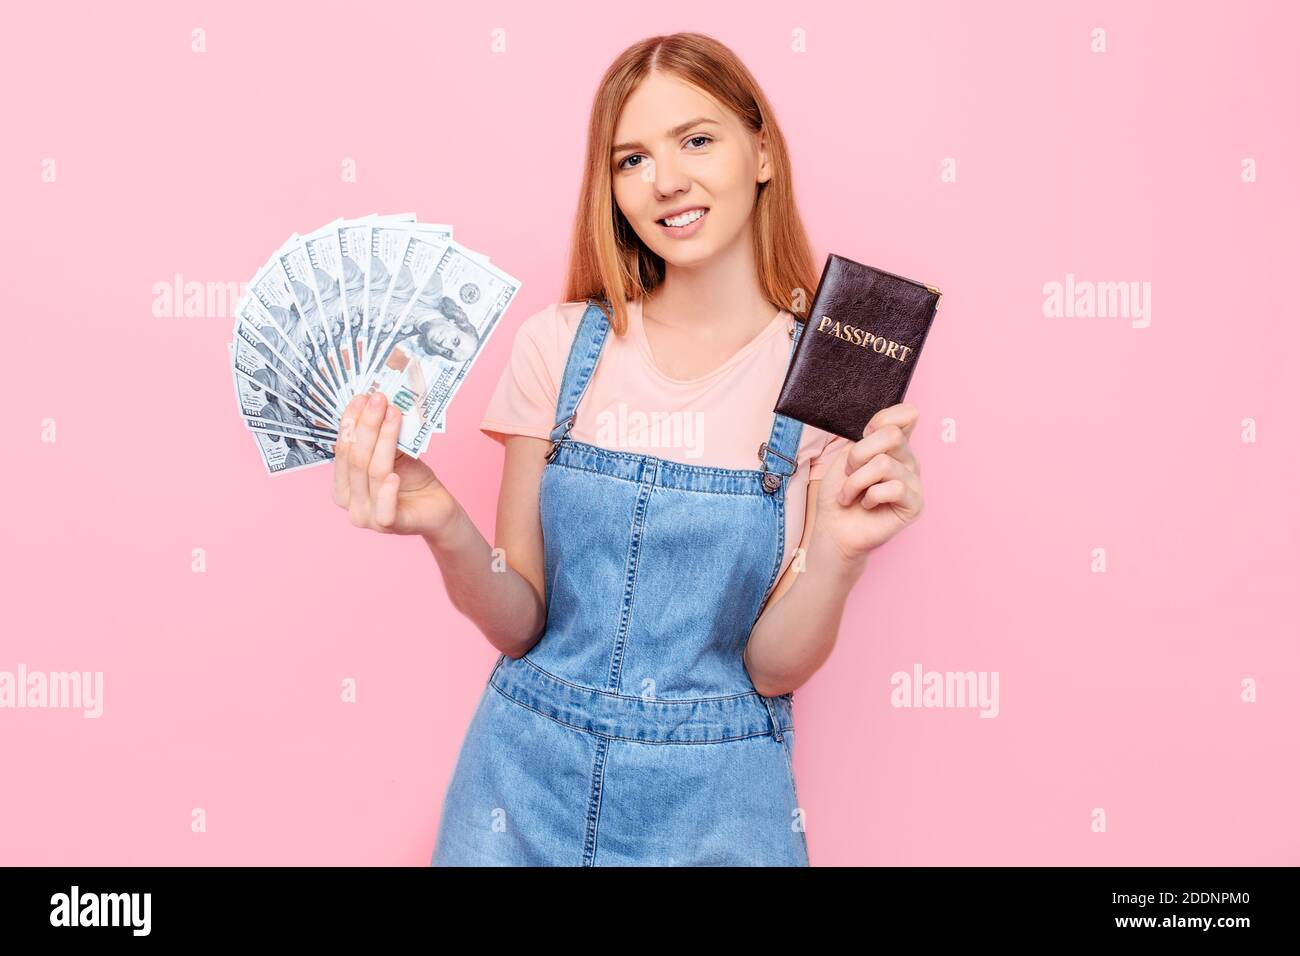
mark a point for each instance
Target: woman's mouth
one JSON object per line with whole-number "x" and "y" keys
{"x": 687, "y": 223}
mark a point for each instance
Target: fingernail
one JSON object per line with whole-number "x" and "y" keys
{"x": 376, "y": 398}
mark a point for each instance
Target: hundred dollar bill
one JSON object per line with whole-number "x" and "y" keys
{"x": 284, "y": 448}
{"x": 279, "y": 427}
{"x": 411, "y": 247}
{"x": 254, "y": 395}
{"x": 423, "y": 252}
{"x": 288, "y": 452}
{"x": 257, "y": 403}
{"x": 424, "y": 245}
{"x": 393, "y": 247}
{"x": 259, "y": 374}
{"x": 309, "y": 339}
{"x": 270, "y": 288}
{"x": 259, "y": 365}
{"x": 309, "y": 331}
{"x": 283, "y": 453}
{"x": 255, "y": 355}
{"x": 437, "y": 337}
{"x": 386, "y": 245}
{"x": 325, "y": 257}
{"x": 354, "y": 249}
{"x": 421, "y": 255}
{"x": 360, "y": 244}
{"x": 295, "y": 264}
{"x": 273, "y": 427}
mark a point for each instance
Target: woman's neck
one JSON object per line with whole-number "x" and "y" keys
{"x": 716, "y": 302}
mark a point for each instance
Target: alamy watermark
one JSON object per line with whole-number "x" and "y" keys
{"x": 63, "y": 690}
{"x": 182, "y": 299}
{"x": 102, "y": 909}
{"x": 1084, "y": 299}
{"x": 625, "y": 428}
{"x": 947, "y": 689}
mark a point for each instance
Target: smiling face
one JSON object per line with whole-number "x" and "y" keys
{"x": 676, "y": 149}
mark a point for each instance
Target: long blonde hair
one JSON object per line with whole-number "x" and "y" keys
{"x": 607, "y": 259}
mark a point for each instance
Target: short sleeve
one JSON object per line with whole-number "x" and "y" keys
{"x": 525, "y": 396}
{"x": 817, "y": 467}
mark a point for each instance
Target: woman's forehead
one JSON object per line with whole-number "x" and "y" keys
{"x": 660, "y": 104}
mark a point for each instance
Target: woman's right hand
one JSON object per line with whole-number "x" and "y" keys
{"x": 382, "y": 488}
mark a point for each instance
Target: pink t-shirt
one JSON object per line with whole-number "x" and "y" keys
{"x": 716, "y": 421}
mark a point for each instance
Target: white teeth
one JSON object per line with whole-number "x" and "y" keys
{"x": 686, "y": 218}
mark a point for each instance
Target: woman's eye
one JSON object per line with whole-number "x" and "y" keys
{"x": 623, "y": 163}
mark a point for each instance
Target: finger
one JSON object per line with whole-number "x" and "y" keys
{"x": 882, "y": 492}
{"x": 343, "y": 450}
{"x": 381, "y": 462}
{"x": 887, "y": 439}
{"x": 881, "y": 468}
{"x": 363, "y": 446}
{"x": 896, "y": 491}
{"x": 905, "y": 457}
{"x": 903, "y": 415}
{"x": 386, "y": 502}
{"x": 898, "y": 447}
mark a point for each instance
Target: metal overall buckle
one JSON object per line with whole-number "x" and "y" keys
{"x": 772, "y": 480}
{"x": 555, "y": 442}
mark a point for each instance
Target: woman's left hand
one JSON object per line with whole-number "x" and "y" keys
{"x": 873, "y": 489}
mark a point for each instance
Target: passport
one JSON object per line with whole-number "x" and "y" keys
{"x": 859, "y": 347}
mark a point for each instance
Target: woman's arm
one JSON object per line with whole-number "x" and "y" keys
{"x": 797, "y": 629}
{"x": 868, "y": 494}
{"x": 502, "y": 592}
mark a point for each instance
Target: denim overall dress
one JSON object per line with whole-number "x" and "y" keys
{"x": 631, "y": 734}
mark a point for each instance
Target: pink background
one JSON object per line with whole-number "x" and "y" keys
{"x": 1119, "y": 690}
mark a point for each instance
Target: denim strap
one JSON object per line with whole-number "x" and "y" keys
{"x": 583, "y": 354}
{"x": 778, "y": 456}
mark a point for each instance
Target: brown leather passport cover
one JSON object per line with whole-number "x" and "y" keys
{"x": 859, "y": 347}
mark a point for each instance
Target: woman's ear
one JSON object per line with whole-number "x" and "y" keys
{"x": 764, "y": 161}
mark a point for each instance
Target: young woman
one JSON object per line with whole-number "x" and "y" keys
{"x": 674, "y": 557}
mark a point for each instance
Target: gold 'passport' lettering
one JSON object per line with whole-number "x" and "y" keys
{"x": 851, "y": 333}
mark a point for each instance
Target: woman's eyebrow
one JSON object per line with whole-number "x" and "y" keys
{"x": 674, "y": 132}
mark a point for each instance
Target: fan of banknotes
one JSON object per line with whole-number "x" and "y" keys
{"x": 381, "y": 303}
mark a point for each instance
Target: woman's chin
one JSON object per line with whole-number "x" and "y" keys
{"x": 684, "y": 257}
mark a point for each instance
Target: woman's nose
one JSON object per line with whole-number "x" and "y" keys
{"x": 668, "y": 180}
